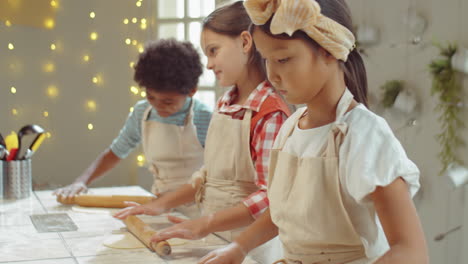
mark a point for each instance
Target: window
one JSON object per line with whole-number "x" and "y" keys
{"x": 181, "y": 19}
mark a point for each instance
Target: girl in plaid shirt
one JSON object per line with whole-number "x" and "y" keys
{"x": 230, "y": 188}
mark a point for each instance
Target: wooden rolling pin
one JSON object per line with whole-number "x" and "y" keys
{"x": 144, "y": 233}
{"x": 108, "y": 201}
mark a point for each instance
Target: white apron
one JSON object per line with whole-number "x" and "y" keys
{"x": 306, "y": 202}
{"x": 230, "y": 174}
{"x": 173, "y": 154}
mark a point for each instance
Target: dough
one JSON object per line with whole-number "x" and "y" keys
{"x": 123, "y": 241}
{"x": 128, "y": 241}
{"x": 94, "y": 210}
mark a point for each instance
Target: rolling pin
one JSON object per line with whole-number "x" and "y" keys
{"x": 144, "y": 233}
{"x": 108, "y": 201}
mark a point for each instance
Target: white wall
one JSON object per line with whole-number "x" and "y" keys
{"x": 440, "y": 206}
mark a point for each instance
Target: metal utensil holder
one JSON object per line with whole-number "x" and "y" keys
{"x": 17, "y": 179}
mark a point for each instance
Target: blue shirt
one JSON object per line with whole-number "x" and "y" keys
{"x": 130, "y": 135}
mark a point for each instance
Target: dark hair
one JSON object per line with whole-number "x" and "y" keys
{"x": 168, "y": 65}
{"x": 354, "y": 69}
{"x": 231, "y": 20}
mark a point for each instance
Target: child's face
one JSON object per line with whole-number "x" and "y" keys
{"x": 227, "y": 56}
{"x": 166, "y": 103}
{"x": 293, "y": 66}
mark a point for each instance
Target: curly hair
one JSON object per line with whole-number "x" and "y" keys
{"x": 168, "y": 65}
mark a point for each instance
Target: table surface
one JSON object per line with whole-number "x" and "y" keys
{"x": 20, "y": 243}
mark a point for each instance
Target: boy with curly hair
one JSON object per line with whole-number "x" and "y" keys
{"x": 170, "y": 123}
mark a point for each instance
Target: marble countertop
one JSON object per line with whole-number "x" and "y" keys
{"x": 21, "y": 243}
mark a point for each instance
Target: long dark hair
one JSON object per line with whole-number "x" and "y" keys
{"x": 231, "y": 20}
{"x": 353, "y": 69}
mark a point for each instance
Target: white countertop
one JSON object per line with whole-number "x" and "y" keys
{"x": 20, "y": 243}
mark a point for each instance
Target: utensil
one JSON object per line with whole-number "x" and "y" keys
{"x": 24, "y": 131}
{"x": 34, "y": 146}
{"x": 12, "y": 145}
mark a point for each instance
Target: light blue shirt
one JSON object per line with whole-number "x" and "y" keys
{"x": 130, "y": 135}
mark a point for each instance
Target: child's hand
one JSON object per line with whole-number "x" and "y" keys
{"x": 231, "y": 254}
{"x": 137, "y": 209}
{"x": 71, "y": 190}
{"x": 186, "y": 229}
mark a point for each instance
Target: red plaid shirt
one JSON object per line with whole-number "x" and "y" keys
{"x": 261, "y": 138}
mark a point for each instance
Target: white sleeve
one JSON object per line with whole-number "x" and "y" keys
{"x": 372, "y": 156}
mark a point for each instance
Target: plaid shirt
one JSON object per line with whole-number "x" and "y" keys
{"x": 261, "y": 138}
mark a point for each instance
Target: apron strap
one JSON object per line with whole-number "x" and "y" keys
{"x": 339, "y": 127}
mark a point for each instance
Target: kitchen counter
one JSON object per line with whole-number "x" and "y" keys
{"x": 21, "y": 243}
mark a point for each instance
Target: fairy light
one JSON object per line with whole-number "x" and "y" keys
{"x": 8, "y": 23}
{"x": 143, "y": 94}
{"x": 52, "y": 91}
{"x": 134, "y": 90}
{"x": 125, "y": 21}
{"x": 49, "y": 23}
{"x": 138, "y": 4}
{"x": 134, "y": 20}
{"x": 53, "y": 46}
{"x": 48, "y": 135}
{"x": 14, "y": 111}
{"x": 134, "y": 42}
{"x": 93, "y": 36}
{"x": 49, "y": 67}
{"x": 91, "y": 105}
{"x": 92, "y": 15}
{"x": 53, "y": 3}
{"x": 45, "y": 114}
{"x": 143, "y": 20}
{"x": 13, "y": 90}
{"x": 95, "y": 79}
{"x": 140, "y": 48}
{"x": 86, "y": 58}
{"x": 11, "y": 46}
{"x": 90, "y": 126}
{"x": 143, "y": 26}
{"x": 141, "y": 160}
{"x": 132, "y": 64}
{"x": 131, "y": 109}
{"x": 128, "y": 41}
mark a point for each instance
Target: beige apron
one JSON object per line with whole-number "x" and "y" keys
{"x": 306, "y": 201}
{"x": 230, "y": 173}
{"x": 173, "y": 153}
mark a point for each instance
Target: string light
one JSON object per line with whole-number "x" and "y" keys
{"x": 52, "y": 91}
{"x": 86, "y": 58}
{"x": 49, "y": 135}
{"x": 128, "y": 41}
{"x": 141, "y": 160}
{"x": 13, "y": 90}
{"x": 49, "y": 67}
{"x": 92, "y": 15}
{"x": 14, "y": 111}
{"x": 141, "y": 49}
{"x": 93, "y": 36}
{"x": 132, "y": 64}
{"x": 91, "y": 105}
{"x": 143, "y": 94}
{"x": 131, "y": 109}
{"x": 143, "y": 20}
{"x": 90, "y": 126}
{"x": 8, "y": 23}
{"x": 11, "y": 46}
{"x": 52, "y": 46}
{"x": 49, "y": 23}
{"x": 138, "y": 4}
{"x": 125, "y": 21}
{"x": 134, "y": 42}
{"x": 53, "y": 3}
{"x": 143, "y": 26}
{"x": 45, "y": 114}
{"x": 134, "y": 90}
{"x": 134, "y": 20}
